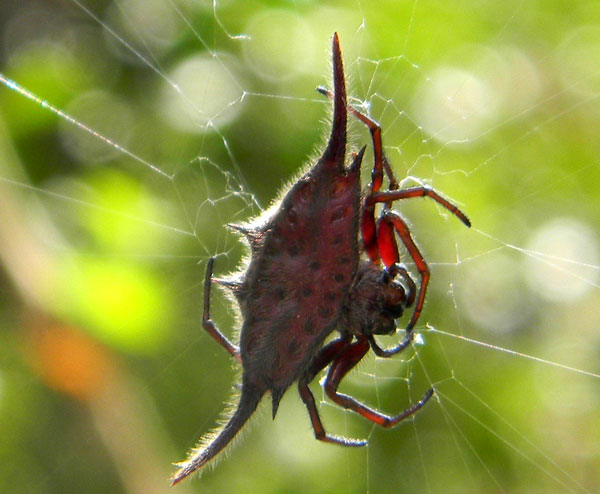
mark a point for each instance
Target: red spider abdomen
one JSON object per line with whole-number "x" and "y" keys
{"x": 305, "y": 268}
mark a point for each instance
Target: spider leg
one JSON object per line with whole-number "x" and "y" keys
{"x": 392, "y": 219}
{"x": 340, "y": 367}
{"x": 388, "y": 249}
{"x": 320, "y": 434}
{"x": 328, "y": 353}
{"x": 207, "y": 322}
{"x": 381, "y": 163}
{"x": 386, "y": 242}
{"x": 394, "y": 195}
{"x": 390, "y": 352}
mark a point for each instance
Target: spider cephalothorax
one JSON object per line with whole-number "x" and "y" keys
{"x": 375, "y": 300}
{"x": 308, "y": 277}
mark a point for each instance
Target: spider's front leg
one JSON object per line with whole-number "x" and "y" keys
{"x": 207, "y": 322}
{"x": 378, "y": 236}
{"x": 341, "y": 366}
{"x": 392, "y": 222}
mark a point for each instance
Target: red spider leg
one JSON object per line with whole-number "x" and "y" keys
{"x": 424, "y": 191}
{"x": 207, "y": 322}
{"x": 320, "y": 434}
{"x": 380, "y": 159}
{"x": 326, "y": 355}
{"x": 387, "y": 242}
{"x": 392, "y": 219}
{"x": 340, "y": 367}
{"x": 380, "y": 162}
{"x": 324, "y": 358}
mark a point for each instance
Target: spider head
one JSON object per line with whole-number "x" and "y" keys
{"x": 378, "y": 298}
{"x": 395, "y": 297}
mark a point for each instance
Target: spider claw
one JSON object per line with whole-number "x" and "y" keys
{"x": 430, "y": 392}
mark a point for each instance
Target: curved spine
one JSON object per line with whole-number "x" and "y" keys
{"x": 205, "y": 452}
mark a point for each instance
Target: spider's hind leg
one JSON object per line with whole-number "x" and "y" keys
{"x": 341, "y": 366}
{"x": 320, "y": 434}
{"x": 324, "y": 357}
{"x": 208, "y": 323}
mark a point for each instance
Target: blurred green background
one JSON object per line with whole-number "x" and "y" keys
{"x": 197, "y": 112}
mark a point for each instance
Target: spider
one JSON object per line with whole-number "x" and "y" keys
{"x": 307, "y": 277}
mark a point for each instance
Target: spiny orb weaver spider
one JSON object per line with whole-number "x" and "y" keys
{"x": 306, "y": 278}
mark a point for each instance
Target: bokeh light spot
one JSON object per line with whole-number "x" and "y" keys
{"x": 104, "y": 113}
{"x": 454, "y": 105}
{"x": 493, "y": 295}
{"x": 209, "y": 94}
{"x": 71, "y": 362}
{"x": 281, "y": 47}
{"x": 121, "y": 304}
{"x": 153, "y": 21}
{"x": 115, "y": 191}
{"x": 577, "y": 57}
{"x": 564, "y": 262}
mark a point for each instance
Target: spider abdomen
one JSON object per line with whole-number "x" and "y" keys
{"x": 301, "y": 275}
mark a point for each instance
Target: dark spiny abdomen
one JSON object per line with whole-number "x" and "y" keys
{"x": 305, "y": 268}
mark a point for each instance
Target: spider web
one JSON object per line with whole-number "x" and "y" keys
{"x": 159, "y": 122}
